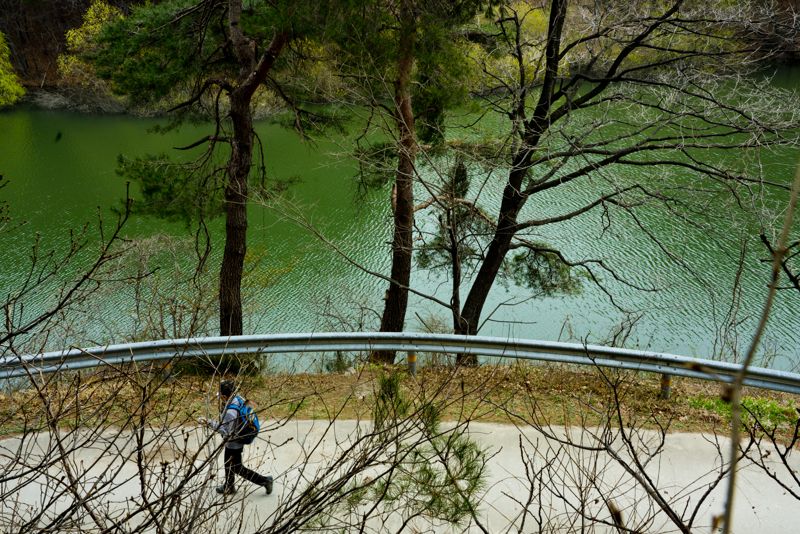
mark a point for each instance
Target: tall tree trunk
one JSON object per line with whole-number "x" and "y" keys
{"x": 514, "y": 197}
{"x": 253, "y": 71}
{"x": 512, "y": 202}
{"x": 230, "y": 276}
{"x": 451, "y": 218}
{"x": 394, "y": 310}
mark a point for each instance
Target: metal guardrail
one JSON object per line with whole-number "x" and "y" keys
{"x": 550, "y": 351}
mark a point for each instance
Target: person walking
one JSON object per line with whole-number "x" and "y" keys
{"x": 228, "y": 427}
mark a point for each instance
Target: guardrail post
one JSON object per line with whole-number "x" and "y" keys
{"x": 666, "y": 382}
{"x": 412, "y": 363}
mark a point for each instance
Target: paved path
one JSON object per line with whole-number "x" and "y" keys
{"x": 108, "y": 472}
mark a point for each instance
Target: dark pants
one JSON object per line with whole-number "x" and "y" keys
{"x": 234, "y": 466}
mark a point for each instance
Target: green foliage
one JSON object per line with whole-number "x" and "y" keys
{"x": 767, "y": 412}
{"x": 377, "y": 162}
{"x": 157, "y": 50}
{"x": 448, "y": 474}
{"x": 370, "y": 57}
{"x": 495, "y": 58}
{"x": 98, "y": 15}
{"x": 496, "y": 65}
{"x": 10, "y": 89}
{"x": 457, "y": 216}
{"x": 441, "y": 70}
{"x": 314, "y": 120}
{"x": 438, "y": 474}
{"x": 82, "y": 41}
{"x": 390, "y": 403}
{"x": 173, "y": 47}
{"x": 543, "y": 272}
{"x": 173, "y": 191}
{"x": 537, "y": 267}
{"x": 441, "y": 476}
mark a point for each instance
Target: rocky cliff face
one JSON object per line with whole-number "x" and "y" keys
{"x": 35, "y": 32}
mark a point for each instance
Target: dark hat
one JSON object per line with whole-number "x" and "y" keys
{"x": 226, "y": 388}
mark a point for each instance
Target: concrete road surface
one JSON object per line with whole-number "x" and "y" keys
{"x": 532, "y": 483}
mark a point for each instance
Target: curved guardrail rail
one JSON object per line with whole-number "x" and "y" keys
{"x": 575, "y": 353}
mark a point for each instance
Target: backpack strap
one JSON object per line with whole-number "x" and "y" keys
{"x": 237, "y": 403}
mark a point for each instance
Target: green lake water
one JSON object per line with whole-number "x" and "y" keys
{"x": 61, "y": 170}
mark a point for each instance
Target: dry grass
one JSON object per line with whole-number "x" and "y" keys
{"x": 551, "y": 394}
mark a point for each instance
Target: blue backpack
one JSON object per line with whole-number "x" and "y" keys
{"x": 248, "y": 425}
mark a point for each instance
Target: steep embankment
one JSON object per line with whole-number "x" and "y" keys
{"x": 36, "y": 37}
{"x": 35, "y": 32}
